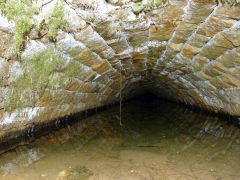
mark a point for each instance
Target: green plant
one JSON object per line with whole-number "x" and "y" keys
{"x": 197, "y": 68}
{"x": 154, "y": 54}
{"x": 229, "y": 1}
{"x": 56, "y": 20}
{"x": 21, "y": 12}
{"x": 34, "y": 80}
{"x": 146, "y": 5}
{"x": 137, "y": 7}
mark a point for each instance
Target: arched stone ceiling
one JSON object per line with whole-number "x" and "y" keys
{"x": 184, "y": 50}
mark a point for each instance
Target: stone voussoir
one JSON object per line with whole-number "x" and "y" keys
{"x": 187, "y": 51}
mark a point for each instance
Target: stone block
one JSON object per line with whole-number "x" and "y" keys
{"x": 190, "y": 51}
{"x": 119, "y": 45}
{"x": 4, "y": 69}
{"x": 183, "y": 31}
{"x": 214, "y": 25}
{"x": 91, "y": 39}
{"x": 6, "y": 45}
{"x": 137, "y": 38}
{"x": 102, "y": 67}
{"x": 88, "y": 58}
{"x": 162, "y": 32}
{"x": 218, "y": 46}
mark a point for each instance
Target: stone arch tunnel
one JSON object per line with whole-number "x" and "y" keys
{"x": 184, "y": 50}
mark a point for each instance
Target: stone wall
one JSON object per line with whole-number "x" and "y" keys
{"x": 187, "y": 51}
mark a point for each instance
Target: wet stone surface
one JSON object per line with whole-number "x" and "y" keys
{"x": 158, "y": 140}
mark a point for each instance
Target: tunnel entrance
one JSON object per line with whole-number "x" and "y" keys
{"x": 157, "y": 140}
{"x": 67, "y": 65}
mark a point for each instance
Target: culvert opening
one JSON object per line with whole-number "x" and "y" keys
{"x": 62, "y": 57}
{"x": 158, "y": 140}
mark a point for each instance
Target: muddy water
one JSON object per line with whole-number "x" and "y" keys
{"x": 158, "y": 141}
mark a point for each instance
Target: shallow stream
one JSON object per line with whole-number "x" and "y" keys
{"x": 158, "y": 141}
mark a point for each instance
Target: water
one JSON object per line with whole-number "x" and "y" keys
{"x": 158, "y": 140}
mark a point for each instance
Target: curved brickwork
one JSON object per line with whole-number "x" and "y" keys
{"x": 187, "y": 51}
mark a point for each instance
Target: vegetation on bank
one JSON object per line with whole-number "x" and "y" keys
{"x": 24, "y": 12}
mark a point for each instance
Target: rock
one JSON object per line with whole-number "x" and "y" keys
{"x": 6, "y": 45}
{"x": 176, "y": 47}
{"x": 114, "y": 2}
{"x": 4, "y": 70}
{"x": 102, "y": 67}
{"x": 78, "y": 172}
{"x": 216, "y": 47}
{"x": 62, "y": 174}
{"x": 15, "y": 71}
{"x": 137, "y": 38}
{"x": 67, "y": 44}
{"x": 91, "y": 39}
{"x": 155, "y": 50}
{"x": 119, "y": 45}
{"x": 43, "y": 175}
{"x": 190, "y": 51}
{"x": 88, "y": 58}
{"x": 233, "y": 37}
{"x": 183, "y": 32}
{"x": 5, "y": 25}
{"x": 163, "y": 32}
{"x": 214, "y": 25}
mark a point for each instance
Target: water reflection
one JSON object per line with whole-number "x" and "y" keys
{"x": 158, "y": 140}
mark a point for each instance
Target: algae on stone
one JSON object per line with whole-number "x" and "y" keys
{"x": 21, "y": 12}
{"x": 32, "y": 83}
{"x": 230, "y": 1}
{"x": 146, "y": 5}
{"x": 56, "y": 20}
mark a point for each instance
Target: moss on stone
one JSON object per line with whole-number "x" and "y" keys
{"x": 159, "y": 2}
{"x": 137, "y": 7}
{"x": 56, "y": 20}
{"x": 230, "y": 1}
{"x": 147, "y": 5}
{"x": 28, "y": 87}
{"x": 73, "y": 69}
{"x": 58, "y": 80}
{"x": 197, "y": 68}
{"x": 136, "y": 42}
{"x": 21, "y": 12}
{"x": 154, "y": 54}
